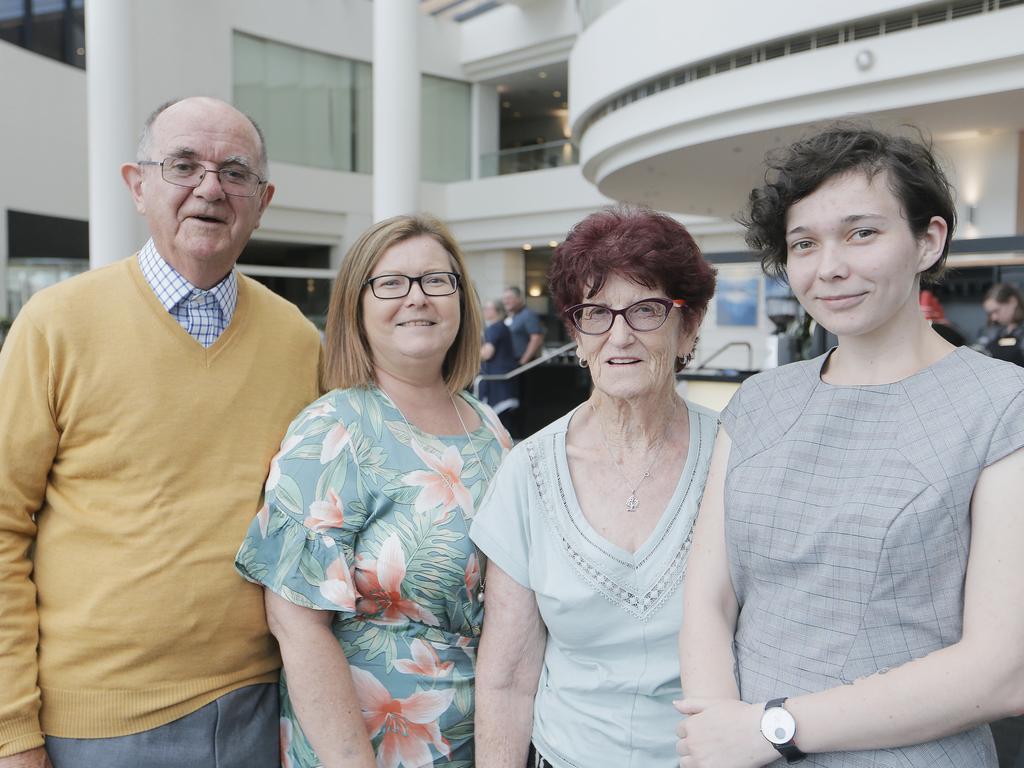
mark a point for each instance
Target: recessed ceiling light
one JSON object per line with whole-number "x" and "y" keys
{"x": 553, "y": 243}
{"x": 527, "y": 247}
{"x": 542, "y": 75}
{"x": 557, "y": 94}
{"x": 506, "y": 104}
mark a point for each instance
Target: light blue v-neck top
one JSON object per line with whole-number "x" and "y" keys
{"x": 611, "y": 665}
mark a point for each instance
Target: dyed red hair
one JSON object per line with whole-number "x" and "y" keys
{"x": 638, "y": 244}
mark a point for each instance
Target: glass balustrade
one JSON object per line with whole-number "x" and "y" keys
{"x": 552, "y": 154}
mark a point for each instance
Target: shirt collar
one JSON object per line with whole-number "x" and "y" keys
{"x": 171, "y": 288}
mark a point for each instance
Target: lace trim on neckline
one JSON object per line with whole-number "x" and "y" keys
{"x": 639, "y": 604}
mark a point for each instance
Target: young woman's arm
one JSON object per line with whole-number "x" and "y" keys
{"x": 974, "y": 681}
{"x": 508, "y": 667}
{"x": 320, "y": 684}
{"x": 706, "y": 661}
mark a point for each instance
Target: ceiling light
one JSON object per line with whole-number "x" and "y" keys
{"x": 534, "y": 290}
{"x": 557, "y": 94}
{"x": 552, "y": 243}
{"x": 542, "y": 75}
{"x": 506, "y": 104}
{"x": 527, "y": 247}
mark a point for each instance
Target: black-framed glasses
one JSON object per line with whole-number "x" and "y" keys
{"x": 398, "y": 286}
{"x": 644, "y": 315}
{"x": 235, "y": 180}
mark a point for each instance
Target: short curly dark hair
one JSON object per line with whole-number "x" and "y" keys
{"x": 914, "y": 176}
{"x": 639, "y": 244}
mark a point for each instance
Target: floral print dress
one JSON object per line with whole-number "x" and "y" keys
{"x": 368, "y": 517}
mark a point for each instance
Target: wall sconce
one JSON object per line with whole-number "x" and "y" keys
{"x": 534, "y": 291}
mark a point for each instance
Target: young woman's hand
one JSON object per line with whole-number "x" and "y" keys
{"x": 722, "y": 733}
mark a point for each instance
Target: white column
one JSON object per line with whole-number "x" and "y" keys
{"x": 113, "y": 128}
{"x": 396, "y": 108}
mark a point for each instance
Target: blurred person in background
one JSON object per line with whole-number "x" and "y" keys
{"x": 1003, "y": 339}
{"x": 497, "y": 357}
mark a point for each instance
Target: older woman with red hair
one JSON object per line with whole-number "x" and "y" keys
{"x": 587, "y": 523}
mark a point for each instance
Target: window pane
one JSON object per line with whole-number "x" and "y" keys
{"x": 315, "y": 109}
{"x": 362, "y": 101}
{"x": 445, "y": 140}
{"x": 12, "y": 21}
{"x": 48, "y": 28}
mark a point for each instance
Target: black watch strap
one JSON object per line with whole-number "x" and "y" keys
{"x": 789, "y": 750}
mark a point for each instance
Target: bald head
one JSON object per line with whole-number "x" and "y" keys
{"x": 214, "y": 107}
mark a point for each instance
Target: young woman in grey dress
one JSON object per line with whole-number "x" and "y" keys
{"x": 855, "y": 585}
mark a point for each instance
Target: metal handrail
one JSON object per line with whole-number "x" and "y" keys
{"x": 545, "y": 356}
{"x": 750, "y": 354}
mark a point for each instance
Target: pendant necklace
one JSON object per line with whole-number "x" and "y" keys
{"x": 632, "y": 503}
{"x": 481, "y": 559}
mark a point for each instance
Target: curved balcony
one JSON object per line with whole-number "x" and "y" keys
{"x": 682, "y": 124}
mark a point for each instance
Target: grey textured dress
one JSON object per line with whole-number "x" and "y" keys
{"x": 848, "y": 526}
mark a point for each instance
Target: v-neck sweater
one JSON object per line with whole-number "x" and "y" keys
{"x": 132, "y": 459}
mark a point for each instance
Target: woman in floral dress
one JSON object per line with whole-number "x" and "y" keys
{"x": 373, "y": 586}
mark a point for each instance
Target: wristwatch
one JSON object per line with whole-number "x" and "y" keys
{"x": 779, "y": 727}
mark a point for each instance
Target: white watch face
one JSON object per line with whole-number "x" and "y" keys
{"x": 777, "y": 725}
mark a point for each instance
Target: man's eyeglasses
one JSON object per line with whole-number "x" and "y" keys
{"x": 182, "y": 172}
{"x": 398, "y": 286}
{"x": 644, "y": 315}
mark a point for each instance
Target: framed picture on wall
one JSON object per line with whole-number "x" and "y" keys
{"x": 736, "y": 301}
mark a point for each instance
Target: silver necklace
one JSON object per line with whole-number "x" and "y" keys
{"x": 480, "y": 557}
{"x": 632, "y": 503}
{"x": 479, "y": 461}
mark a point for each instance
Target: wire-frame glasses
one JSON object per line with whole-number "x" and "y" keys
{"x": 644, "y": 315}
{"x": 235, "y": 180}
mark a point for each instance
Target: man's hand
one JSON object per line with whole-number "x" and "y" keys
{"x": 34, "y": 758}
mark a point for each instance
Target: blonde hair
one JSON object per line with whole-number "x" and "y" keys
{"x": 348, "y": 360}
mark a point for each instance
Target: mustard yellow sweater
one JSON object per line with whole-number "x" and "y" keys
{"x": 131, "y": 462}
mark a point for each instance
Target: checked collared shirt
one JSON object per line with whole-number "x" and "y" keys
{"x": 203, "y": 314}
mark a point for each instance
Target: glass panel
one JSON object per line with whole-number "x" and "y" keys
{"x": 48, "y": 28}
{"x": 309, "y": 294}
{"x": 315, "y": 109}
{"x": 76, "y": 46}
{"x": 550, "y": 155}
{"x": 444, "y": 130}
{"x": 12, "y": 21}
{"x": 362, "y": 106}
{"x": 29, "y": 276}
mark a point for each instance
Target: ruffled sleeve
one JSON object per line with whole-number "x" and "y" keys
{"x": 300, "y": 545}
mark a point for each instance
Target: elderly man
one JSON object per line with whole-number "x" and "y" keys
{"x": 141, "y": 406}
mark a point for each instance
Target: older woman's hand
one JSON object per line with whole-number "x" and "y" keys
{"x": 721, "y": 733}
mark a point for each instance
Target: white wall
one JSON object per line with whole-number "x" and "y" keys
{"x": 984, "y": 170}
{"x": 664, "y": 35}
{"x": 42, "y": 125}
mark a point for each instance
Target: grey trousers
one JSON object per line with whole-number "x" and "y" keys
{"x": 238, "y": 730}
